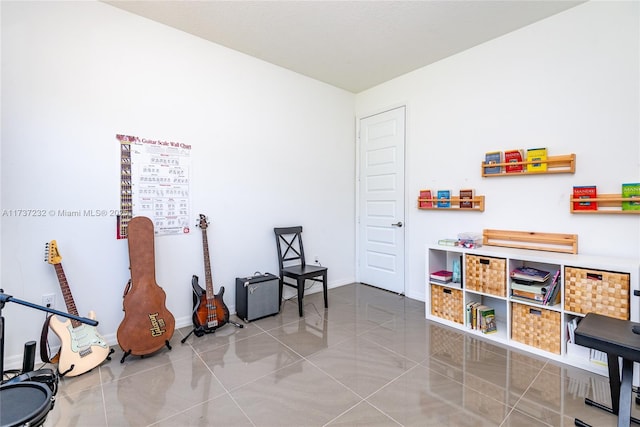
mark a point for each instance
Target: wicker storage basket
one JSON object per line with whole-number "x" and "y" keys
{"x": 601, "y": 292}
{"x": 446, "y": 303}
{"x": 486, "y": 274}
{"x": 536, "y": 327}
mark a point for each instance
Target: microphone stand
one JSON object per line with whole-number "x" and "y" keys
{"x": 4, "y": 298}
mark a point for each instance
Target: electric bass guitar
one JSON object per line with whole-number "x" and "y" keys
{"x": 209, "y": 310}
{"x": 81, "y": 348}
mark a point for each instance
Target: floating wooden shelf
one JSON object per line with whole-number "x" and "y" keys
{"x": 551, "y": 242}
{"x": 611, "y": 201}
{"x": 555, "y": 164}
{"x": 477, "y": 201}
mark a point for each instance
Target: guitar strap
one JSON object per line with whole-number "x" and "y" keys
{"x": 44, "y": 344}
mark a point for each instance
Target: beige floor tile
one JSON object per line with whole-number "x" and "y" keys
{"x": 369, "y": 359}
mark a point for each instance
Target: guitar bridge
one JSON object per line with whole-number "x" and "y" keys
{"x": 212, "y": 324}
{"x": 85, "y": 352}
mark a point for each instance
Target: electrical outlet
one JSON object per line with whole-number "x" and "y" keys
{"x": 49, "y": 300}
{"x": 316, "y": 259}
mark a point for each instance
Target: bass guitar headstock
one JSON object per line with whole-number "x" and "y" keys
{"x": 52, "y": 256}
{"x": 203, "y": 223}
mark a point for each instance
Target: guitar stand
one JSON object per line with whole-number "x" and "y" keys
{"x": 200, "y": 331}
{"x": 128, "y": 352}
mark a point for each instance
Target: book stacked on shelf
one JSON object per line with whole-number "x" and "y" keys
{"x": 585, "y": 192}
{"x": 515, "y": 157}
{"x": 631, "y": 191}
{"x": 480, "y": 317}
{"x": 539, "y": 157}
{"x": 425, "y": 199}
{"x": 530, "y": 274}
{"x": 448, "y": 242}
{"x": 490, "y": 160}
{"x": 538, "y": 292}
{"x": 442, "y": 276}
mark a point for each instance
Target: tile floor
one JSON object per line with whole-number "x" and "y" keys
{"x": 371, "y": 359}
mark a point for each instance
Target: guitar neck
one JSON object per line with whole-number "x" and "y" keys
{"x": 66, "y": 294}
{"x": 207, "y": 265}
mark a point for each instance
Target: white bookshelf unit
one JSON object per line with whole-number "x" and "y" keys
{"x": 606, "y": 285}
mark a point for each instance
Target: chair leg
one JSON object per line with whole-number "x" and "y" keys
{"x": 324, "y": 289}
{"x": 281, "y": 285}
{"x": 300, "y": 295}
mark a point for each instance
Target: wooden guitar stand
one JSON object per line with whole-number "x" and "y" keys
{"x": 148, "y": 325}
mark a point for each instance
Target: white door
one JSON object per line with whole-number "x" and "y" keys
{"x": 381, "y": 200}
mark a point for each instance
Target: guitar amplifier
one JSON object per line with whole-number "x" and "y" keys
{"x": 257, "y": 296}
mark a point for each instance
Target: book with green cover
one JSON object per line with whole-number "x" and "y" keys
{"x": 487, "y": 317}
{"x": 631, "y": 191}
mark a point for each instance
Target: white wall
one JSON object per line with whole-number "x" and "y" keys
{"x": 270, "y": 148}
{"x": 569, "y": 83}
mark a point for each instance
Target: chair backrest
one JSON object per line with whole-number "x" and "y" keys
{"x": 290, "y": 249}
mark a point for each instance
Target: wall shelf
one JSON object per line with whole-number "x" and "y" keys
{"x": 555, "y": 164}
{"x": 477, "y": 204}
{"x": 611, "y": 201}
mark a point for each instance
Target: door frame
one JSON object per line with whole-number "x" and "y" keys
{"x": 406, "y": 222}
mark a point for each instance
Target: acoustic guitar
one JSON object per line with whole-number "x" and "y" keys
{"x": 147, "y": 325}
{"x": 209, "y": 309}
{"x": 81, "y": 347}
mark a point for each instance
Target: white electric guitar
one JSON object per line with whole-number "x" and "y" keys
{"x": 81, "y": 347}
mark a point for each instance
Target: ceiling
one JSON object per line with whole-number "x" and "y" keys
{"x": 353, "y": 45}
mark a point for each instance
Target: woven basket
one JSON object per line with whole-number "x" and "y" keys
{"x": 536, "y": 327}
{"x": 446, "y": 303}
{"x": 601, "y": 292}
{"x": 486, "y": 274}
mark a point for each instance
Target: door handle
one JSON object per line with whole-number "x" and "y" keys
{"x": 397, "y": 224}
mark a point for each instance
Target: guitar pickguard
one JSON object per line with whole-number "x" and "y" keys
{"x": 83, "y": 338}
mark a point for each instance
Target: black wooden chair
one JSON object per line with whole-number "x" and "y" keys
{"x": 292, "y": 263}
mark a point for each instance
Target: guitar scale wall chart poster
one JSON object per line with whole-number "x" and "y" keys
{"x": 154, "y": 182}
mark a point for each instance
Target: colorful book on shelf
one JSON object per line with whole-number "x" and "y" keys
{"x": 444, "y": 198}
{"x": 585, "y": 192}
{"x": 426, "y": 200}
{"x": 539, "y": 158}
{"x": 530, "y": 274}
{"x": 466, "y": 199}
{"x": 456, "y": 266}
{"x": 631, "y": 191}
{"x": 550, "y": 294}
{"x": 487, "y": 316}
{"x": 490, "y": 160}
{"x": 554, "y": 295}
{"x": 443, "y": 276}
{"x": 515, "y": 159}
{"x": 472, "y": 314}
